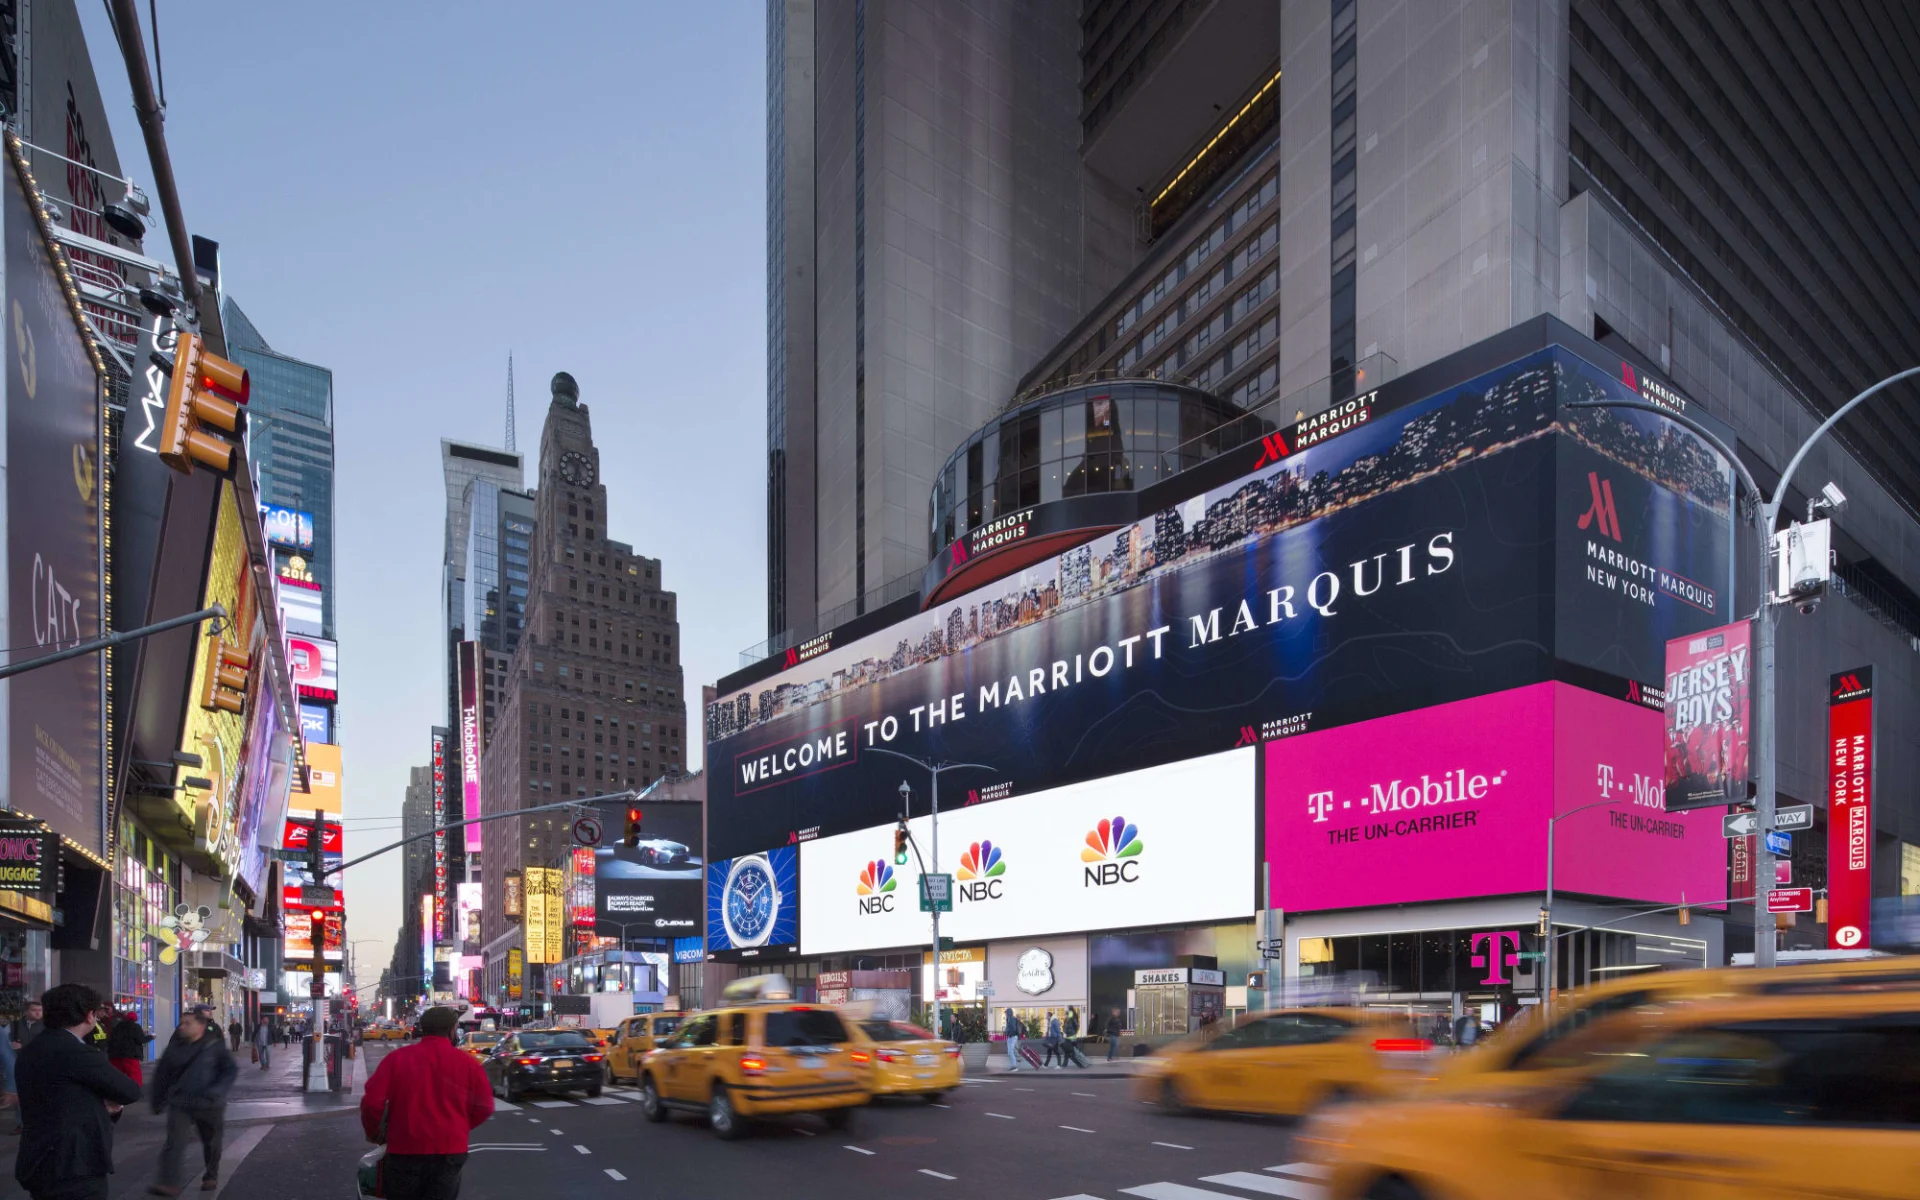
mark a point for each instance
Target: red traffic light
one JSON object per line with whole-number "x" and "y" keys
{"x": 632, "y": 833}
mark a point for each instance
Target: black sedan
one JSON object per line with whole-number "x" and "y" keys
{"x": 545, "y": 1060}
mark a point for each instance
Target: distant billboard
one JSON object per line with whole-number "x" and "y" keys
{"x": 287, "y": 527}
{"x": 753, "y": 904}
{"x": 470, "y": 741}
{"x": 296, "y": 874}
{"x": 1709, "y": 688}
{"x": 316, "y": 723}
{"x": 653, "y": 888}
{"x": 323, "y": 779}
{"x": 301, "y": 607}
{"x": 315, "y": 665}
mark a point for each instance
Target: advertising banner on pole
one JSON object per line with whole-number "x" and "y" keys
{"x": 441, "y": 931}
{"x": 1709, "y": 689}
{"x": 1849, "y": 809}
{"x": 470, "y": 741}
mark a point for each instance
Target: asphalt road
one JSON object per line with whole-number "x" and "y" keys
{"x": 1032, "y": 1138}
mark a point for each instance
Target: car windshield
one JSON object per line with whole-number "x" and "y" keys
{"x": 665, "y": 1025}
{"x": 552, "y": 1041}
{"x": 805, "y": 1027}
{"x": 893, "y": 1031}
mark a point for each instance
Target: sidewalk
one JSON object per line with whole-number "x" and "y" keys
{"x": 1098, "y": 1067}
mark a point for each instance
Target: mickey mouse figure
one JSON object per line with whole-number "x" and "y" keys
{"x": 185, "y": 928}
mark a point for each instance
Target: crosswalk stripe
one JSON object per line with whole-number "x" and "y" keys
{"x": 1173, "y": 1191}
{"x": 1310, "y": 1170}
{"x": 1293, "y": 1188}
{"x": 1077, "y": 1196}
{"x": 553, "y": 1104}
{"x": 503, "y": 1106}
{"x": 604, "y": 1100}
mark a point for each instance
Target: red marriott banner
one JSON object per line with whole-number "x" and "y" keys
{"x": 1849, "y": 808}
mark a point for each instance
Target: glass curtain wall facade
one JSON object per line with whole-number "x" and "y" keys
{"x": 146, "y": 888}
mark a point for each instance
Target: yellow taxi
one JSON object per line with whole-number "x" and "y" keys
{"x": 1288, "y": 1062}
{"x": 1815, "y": 1094}
{"x": 634, "y": 1038}
{"x": 384, "y": 1033}
{"x": 759, "y": 1055}
{"x": 909, "y": 1060}
{"x": 1528, "y": 1043}
{"x": 481, "y": 1043}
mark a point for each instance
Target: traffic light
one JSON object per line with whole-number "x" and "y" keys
{"x": 1546, "y": 922}
{"x": 319, "y": 930}
{"x": 1686, "y": 915}
{"x": 1820, "y": 911}
{"x": 226, "y": 688}
{"x": 205, "y": 394}
{"x": 632, "y": 837}
{"x": 900, "y": 845}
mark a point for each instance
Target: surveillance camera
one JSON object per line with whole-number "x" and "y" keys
{"x": 1835, "y": 498}
{"x": 1808, "y": 605}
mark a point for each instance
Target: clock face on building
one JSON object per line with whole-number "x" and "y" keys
{"x": 576, "y": 468}
{"x": 752, "y": 901}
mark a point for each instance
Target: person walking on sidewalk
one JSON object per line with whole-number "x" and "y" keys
{"x": 1013, "y": 1040}
{"x": 1113, "y": 1034}
{"x": 68, "y": 1095}
{"x": 422, "y": 1101}
{"x": 127, "y": 1046}
{"x": 27, "y": 1027}
{"x": 1055, "y": 1045}
{"x": 191, "y": 1086}
{"x": 263, "y": 1042}
{"x": 233, "y": 1031}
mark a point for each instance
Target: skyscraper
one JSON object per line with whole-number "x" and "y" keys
{"x": 591, "y": 699}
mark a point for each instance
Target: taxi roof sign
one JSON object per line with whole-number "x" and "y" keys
{"x": 757, "y": 989}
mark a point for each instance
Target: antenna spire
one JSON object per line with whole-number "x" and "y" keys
{"x": 510, "y": 438}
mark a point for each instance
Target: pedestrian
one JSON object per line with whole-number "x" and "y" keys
{"x": 1013, "y": 1040}
{"x": 68, "y": 1096}
{"x": 421, "y": 1102}
{"x": 102, "y": 1019}
{"x": 190, "y": 1085}
{"x": 263, "y": 1043}
{"x": 1073, "y": 1022}
{"x": 127, "y": 1046}
{"x": 1113, "y": 1034}
{"x": 1055, "y": 1043}
{"x": 28, "y": 1027}
{"x": 9, "y": 1094}
{"x": 233, "y": 1032}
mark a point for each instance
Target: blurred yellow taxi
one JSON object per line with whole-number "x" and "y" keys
{"x": 909, "y": 1060}
{"x": 384, "y": 1033}
{"x": 1791, "y": 1096}
{"x": 480, "y": 1044}
{"x": 635, "y": 1038}
{"x": 760, "y": 1055}
{"x": 1527, "y": 1043}
{"x": 1288, "y": 1062}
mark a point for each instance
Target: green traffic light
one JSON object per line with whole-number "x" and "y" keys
{"x": 900, "y": 858}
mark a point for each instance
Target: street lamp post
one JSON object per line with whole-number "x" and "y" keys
{"x": 1546, "y": 910}
{"x": 1766, "y": 518}
{"x": 934, "y": 770}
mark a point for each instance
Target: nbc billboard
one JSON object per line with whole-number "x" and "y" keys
{"x": 1166, "y": 845}
{"x": 1453, "y": 801}
{"x": 1449, "y": 542}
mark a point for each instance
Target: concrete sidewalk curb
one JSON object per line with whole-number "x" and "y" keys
{"x": 303, "y": 1115}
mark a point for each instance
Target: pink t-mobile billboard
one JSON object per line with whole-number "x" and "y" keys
{"x": 1452, "y": 801}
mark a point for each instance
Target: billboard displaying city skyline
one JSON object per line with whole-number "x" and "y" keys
{"x": 1415, "y": 559}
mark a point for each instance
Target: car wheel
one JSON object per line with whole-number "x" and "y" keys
{"x": 1170, "y": 1098}
{"x": 722, "y": 1117}
{"x": 839, "y": 1119}
{"x": 593, "y": 1090}
{"x": 513, "y": 1093}
{"x": 935, "y": 1097}
{"x": 651, "y": 1105}
{"x": 1394, "y": 1188}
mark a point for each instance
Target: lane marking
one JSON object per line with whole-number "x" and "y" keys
{"x": 1172, "y": 1191}
{"x": 1002, "y": 1116}
{"x": 1088, "y": 1095}
{"x": 1310, "y": 1170}
{"x": 613, "y": 1174}
{"x": 238, "y": 1149}
{"x": 806, "y": 1133}
{"x": 503, "y": 1106}
{"x": 1294, "y": 1189}
{"x": 556, "y": 1133}
{"x": 858, "y": 1150}
{"x": 606, "y": 1100}
{"x": 1018, "y": 1089}
{"x": 937, "y": 1104}
{"x": 935, "y": 1174}
{"x": 581, "y": 1149}
{"x": 515, "y": 1149}
{"x": 1077, "y": 1129}
{"x": 1173, "y": 1145}
{"x": 553, "y": 1104}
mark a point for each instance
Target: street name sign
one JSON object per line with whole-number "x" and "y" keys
{"x": 1796, "y": 816}
{"x": 1790, "y": 900}
{"x": 1779, "y": 843}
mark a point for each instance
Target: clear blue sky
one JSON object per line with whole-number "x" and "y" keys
{"x": 404, "y": 192}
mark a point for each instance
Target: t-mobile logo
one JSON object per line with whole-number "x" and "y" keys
{"x": 1318, "y": 803}
{"x": 1496, "y": 955}
{"x": 1602, "y": 508}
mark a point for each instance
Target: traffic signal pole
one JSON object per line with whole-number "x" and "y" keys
{"x": 108, "y": 642}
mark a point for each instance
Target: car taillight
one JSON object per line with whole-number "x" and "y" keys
{"x": 887, "y": 1056}
{"x": 860, "y": 1056}
{"x": 591, "y": 1057}
{"x": 953, "y": 1051}
{"x": 751, "y": 1065}
{"x": 527, "y": 1062}
{"x": 1402, "y": 1045}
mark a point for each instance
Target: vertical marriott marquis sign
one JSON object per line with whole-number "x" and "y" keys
{"x": 470, "y": 740}
{"x": 1849, "y": 808}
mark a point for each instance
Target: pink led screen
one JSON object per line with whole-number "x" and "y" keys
{"x": 1452, "y": 801}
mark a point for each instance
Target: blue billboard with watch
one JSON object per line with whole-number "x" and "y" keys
{"x": 753, "y": 904}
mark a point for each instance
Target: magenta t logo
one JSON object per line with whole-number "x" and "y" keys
{"x": 1496, "y": 956}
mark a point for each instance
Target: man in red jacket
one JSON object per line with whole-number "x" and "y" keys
{"x": 428, "y": 1096}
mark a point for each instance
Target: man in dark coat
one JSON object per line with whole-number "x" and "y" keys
{"x": 67, "y": 1097}
{"x": 191, "y": 1086}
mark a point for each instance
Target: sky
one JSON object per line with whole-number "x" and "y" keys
{"x": 405, "y": 193}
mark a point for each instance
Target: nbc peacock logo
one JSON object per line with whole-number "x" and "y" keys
{"x": 1112, "y": 853}
{"x": 983, "y": 867}
{"x": 875, "y": 888}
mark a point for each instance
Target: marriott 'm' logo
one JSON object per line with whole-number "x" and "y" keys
{"x": 1273, "y": 448}
{"x": 1601, "y": 510}
{"x": 960, "y": 552}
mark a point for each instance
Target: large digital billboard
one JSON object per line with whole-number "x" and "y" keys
{"x": 287, "y": 527}
{"x": 1442, "y": 547}
{"x": 53, "y": 480}
{"x": 314, "y": 663}
{"x": 753, "y": 904}
{"x": 656, "y": 887}
{"x": 470, "y": 735}
{"x": 296, "y": 874}
{"x": 1168, "y": 844}
{"x": 1453, "y": 801}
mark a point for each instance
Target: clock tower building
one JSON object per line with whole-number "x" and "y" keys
{"x": 594, "y": 700}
